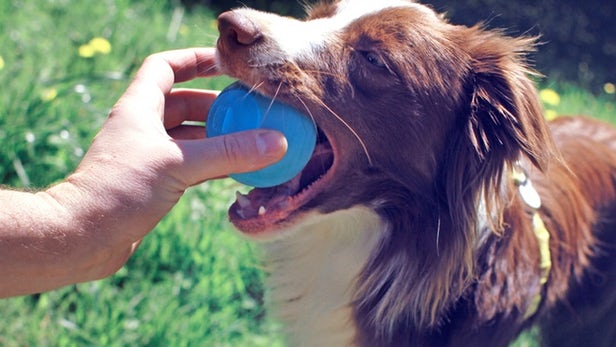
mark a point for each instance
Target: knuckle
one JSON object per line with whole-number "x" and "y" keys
{"x": 232, "y": 149}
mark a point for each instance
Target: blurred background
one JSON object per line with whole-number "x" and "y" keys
{"x": 579, "y": 37}
{"x": 194, "y": 281}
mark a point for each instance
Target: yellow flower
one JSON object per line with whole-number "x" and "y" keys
{"x": 1, "y": 63}
{"x": 49, "y": 94}
{"x": 86, "y": 51}
{"x": 549, "y": 97}
{"x": 97, "y": 45}
{"x": 100, "y": 45}
{"x": 608, "y": 88}
{"x": 550, "y": 115}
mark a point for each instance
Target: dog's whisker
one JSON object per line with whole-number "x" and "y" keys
{"x": 275, "y": 94}
{"x": 273, "y": 98}
{"x": 314, "y": 122}
{"x": 438, "y": 235}
{"x": 255, "y": 87}
{"x": 326, "y": 73}
{"x": 348, "y": 126}
{"x": 211, "y": 68}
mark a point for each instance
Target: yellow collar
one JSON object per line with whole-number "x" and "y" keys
{"x": 533, "y": 200}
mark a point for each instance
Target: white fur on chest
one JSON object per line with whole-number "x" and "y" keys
{"x": 313, "y": 270}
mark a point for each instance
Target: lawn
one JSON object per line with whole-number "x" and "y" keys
{"x": 193, "y": 281}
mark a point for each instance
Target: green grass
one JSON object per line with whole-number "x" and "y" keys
{"x": 576, "y": 101}
{"x": 193, "y": 281}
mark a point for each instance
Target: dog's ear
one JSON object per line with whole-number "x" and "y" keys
{"x": 505, "y": 117}
{"x": 501, "y": 121}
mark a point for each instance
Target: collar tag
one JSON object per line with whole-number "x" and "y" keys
{"x": 531, "y": 197}
{"x": 525, "y": 186}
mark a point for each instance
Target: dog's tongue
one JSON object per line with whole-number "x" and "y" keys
{"x": 260, "y": 201}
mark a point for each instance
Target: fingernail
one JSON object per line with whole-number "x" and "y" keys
{"x": 271, "y": 144}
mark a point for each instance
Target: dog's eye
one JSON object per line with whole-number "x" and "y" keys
{"x": 374, "y": 59}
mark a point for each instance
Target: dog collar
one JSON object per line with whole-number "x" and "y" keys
{"x": 531, "y": 198}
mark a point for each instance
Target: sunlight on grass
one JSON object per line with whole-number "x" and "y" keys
{"x": 566, "y": 99}
{"x": 193, "y": 281}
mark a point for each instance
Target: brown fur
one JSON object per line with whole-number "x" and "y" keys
{"x": 441, "y": 118}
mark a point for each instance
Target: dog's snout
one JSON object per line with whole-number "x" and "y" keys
{"x": 238, "y": 29}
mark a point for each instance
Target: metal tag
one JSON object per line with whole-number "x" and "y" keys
{"x": 529, "y": 195}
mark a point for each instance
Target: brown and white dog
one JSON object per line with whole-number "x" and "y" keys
{"x": 406, "y": 228}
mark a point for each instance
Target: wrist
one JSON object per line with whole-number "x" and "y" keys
{"x": 45, "y": 243}
{"x": 85, "y": 228}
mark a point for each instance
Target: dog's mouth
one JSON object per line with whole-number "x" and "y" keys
{"x": 265, "y": 210}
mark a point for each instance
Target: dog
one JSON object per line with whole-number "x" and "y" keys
{"x": 439, "y": 208}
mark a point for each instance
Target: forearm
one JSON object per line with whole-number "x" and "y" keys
{"x": 44, "y": 244}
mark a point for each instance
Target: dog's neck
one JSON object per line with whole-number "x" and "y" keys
{"x": 313, "y": 274}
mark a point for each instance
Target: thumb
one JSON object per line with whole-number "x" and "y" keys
{"x": 233, "y": 153}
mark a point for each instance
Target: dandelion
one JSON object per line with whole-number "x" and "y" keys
{"x": 549, "y": 97}
{"x": 1, "y": 63}
{"x": 98, "y": 45}
{"x": 65, "y": 134}
{"x": 86, "y": 51}
{"x": 550, "y": 115}
{"x": 49, "y": 94}
{"x": 608, "y": 88}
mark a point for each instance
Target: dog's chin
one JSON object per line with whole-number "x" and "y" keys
{"x": 264, "y": 213}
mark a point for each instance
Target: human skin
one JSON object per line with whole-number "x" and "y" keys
{"x": 136, "y": 169}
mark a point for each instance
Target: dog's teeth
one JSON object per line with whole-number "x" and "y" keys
{"x": 242, "y": 200}
{"x": 262, "y": 210}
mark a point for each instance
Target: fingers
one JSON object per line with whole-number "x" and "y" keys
{"x": 150, "y": 95}
{"x": 167, "y": 68}
{"x": 158, "y": 73}
{"x": 187, "y": 132}
{"x": 222, "y": 155}
{"x": 187, "y": 105}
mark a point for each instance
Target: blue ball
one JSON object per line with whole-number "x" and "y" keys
{"x": 237, "y": 109}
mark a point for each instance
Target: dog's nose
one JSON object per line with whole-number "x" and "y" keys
{"x": 238, "y": 28}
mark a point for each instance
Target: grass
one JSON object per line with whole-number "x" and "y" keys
{"x": 193, "y": 281}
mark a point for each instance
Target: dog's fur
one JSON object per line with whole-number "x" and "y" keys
{"x": 406, "y": 229}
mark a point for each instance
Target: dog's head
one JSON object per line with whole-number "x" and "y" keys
{"x": 417, "y": 118}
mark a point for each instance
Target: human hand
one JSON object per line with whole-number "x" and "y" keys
{"x": 138, "y": 166}
{"x": 144, "y": 157}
